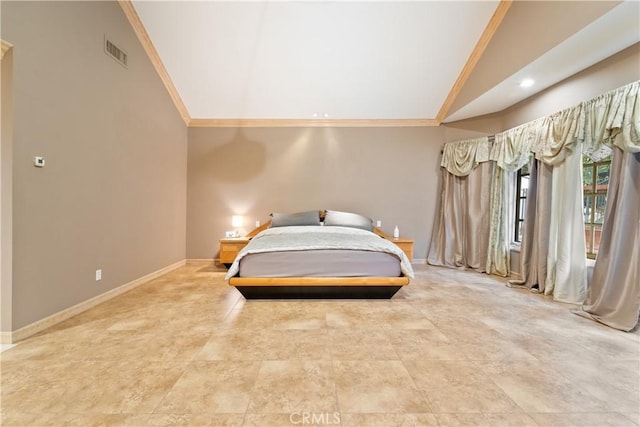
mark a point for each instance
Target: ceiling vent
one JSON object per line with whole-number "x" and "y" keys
{"x": 115, "y": 52}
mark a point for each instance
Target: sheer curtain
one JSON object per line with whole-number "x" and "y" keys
{"x": 566, "y": 260}
{"x": 501, "y": 217}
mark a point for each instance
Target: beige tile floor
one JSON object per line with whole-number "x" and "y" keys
{"x": 453, "y": 348}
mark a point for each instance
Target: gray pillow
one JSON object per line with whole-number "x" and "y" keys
{"x": 300, "y": 218}
{"x": 348, "y": 219}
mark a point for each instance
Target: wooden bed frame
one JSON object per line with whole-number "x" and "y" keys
{"x": 318, "y": 287}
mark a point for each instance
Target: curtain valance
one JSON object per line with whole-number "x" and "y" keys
{"x": 461, "y": 157}
{"x": 598, "y": 124}
{"x": 512, "y": 148}
{"x": 558, "y": 135}
{"x": 550, "y": 139}
{"x": 613, "y": 119}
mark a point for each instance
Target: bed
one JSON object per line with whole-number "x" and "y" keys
{"x": 319, "y": 254}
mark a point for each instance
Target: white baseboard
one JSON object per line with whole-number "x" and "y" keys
{"x": 419, "y": 261}
{"x": 199, "y": 261}
{"x": 47, "y": 322}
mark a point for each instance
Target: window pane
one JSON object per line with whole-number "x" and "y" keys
{"x": 523, "y": 206}
{"x": 597, "y": 233}
{"x": 603, "y": 177}
{"x": 588, "y": 238}
{"x": 524, "y": 186}
{"x": 587, "y": 209}
{"x": 587, "y": 178}
{"x": 520, "y": 230}
{"x": 601, "y": 201}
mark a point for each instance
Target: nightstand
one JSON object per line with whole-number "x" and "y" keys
{"x": 405, "y": 244}
{"x": 229, "y": 248}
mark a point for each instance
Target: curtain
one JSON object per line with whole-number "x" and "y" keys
{"x": 461, "y": 227}
{"x": 501, "y": 217}
{"x": 614, "y": 290}
{"x": 535, "y": 240}
{"x": 553, "y": 247}
{"x": 511, "y": 149}
{"x": 557, "y": 135}
{"x": 613, "y": 119}
{"x": 553, "y": 257}
{"x": 462, "y": 157}
{"x": 566, "y": 260}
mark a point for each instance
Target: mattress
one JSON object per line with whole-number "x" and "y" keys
{"x": 320, "y": 263}
{"x": 314, "y": 240}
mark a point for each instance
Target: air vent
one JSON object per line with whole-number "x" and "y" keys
{"x": 115, "y": 52}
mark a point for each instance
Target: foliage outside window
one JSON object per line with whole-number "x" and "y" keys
{"x": 522, "y": 188}
{"x": 595, "y": 180}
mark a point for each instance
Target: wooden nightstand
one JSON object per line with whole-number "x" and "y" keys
{"x": 405, "y": 244}
{"x": 229, "y": 248}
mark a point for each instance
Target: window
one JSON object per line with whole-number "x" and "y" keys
{"x": 522, "y": 187}
{"x": 595, "y": 180}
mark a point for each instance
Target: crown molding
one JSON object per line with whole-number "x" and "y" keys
{"x": 134, "y": 19}
{"x": 248, "y": 123}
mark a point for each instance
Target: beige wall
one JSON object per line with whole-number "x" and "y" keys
{"x": 113, "y": 192}
{"x": 390, "y": 174}
{"x": 472, "y": 128}
{"x": 612, "y": 73}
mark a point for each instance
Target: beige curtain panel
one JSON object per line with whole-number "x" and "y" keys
{"x": 461, "y": 226}
{"x": 614, "y": 291}
{"x": 535, "y": 240}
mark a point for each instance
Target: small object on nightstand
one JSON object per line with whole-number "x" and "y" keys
{"x": 396, "y": 233}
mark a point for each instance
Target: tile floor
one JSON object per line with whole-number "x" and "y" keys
{"x": 453, "y": 348}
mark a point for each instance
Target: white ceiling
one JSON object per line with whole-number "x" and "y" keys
{"x": 352, "y": 60}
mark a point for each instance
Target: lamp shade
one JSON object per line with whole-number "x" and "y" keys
{"x": 237, "y": 221}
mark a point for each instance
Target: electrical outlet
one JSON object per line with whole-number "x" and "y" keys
{"x": 38, "y": 161}
{"x": 378, "y": 223}
{"x": 98, "y": 274}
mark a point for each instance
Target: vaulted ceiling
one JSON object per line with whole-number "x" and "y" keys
{"x": 371, "y": 63}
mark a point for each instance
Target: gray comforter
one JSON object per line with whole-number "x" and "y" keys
{"x": 300, "y": 238}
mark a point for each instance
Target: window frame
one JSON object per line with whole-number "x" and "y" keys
{"x": 591, "y": 226}
{"x": 519, "y": 215}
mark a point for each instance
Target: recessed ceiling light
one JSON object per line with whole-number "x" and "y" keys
{"x": 527, "y": 83}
